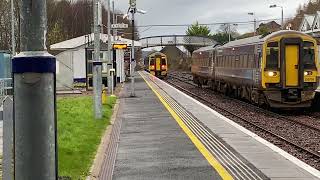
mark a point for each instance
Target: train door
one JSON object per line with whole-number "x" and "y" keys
{"x": 158, "y": 63}
{"x": 292, "y": 65}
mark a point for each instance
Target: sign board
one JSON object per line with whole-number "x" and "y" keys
{"x": 119, "y": 26}
{"x": 120, "y": 46}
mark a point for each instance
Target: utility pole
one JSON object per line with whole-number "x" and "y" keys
{"x": 255, "y": 27}
{"x": 35, "y": 140}
{"x": 114, "y": 21}
{"x": 254, "y": 23}
{"x": 132, "y": 66}
{"x": 13, "y": 40}
{"x": 282, "y": 21}
{"x": 97, "y": 63}
{"x": 110, "y": 64}
{"x": 229, "y": 31}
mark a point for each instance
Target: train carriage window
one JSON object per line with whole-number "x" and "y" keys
{"x": 272, "y": 55}
{"x": 235, "y": 61}
{"x": 152, "y": 61}
{"x": 242, "y": 57}
{"x": 308, "y": 55}
{"x": 250, "y": 61}
{"x": 245, "y": 61}
{"x": 163, "y": 61}
{"x": 225, "y": 61}
{"x": 228, "y": 58}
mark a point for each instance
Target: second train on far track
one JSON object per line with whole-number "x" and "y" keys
{"x": 279, "y": 70}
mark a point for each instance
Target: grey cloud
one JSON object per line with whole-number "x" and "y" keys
{"x": 205, "y": 11}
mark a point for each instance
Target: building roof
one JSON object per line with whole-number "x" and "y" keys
{"x": 82, "y": 40}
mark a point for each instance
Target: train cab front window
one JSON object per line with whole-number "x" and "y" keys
{"x": 151, "y": 61}
{"x": 272, "y": 56}
{"x": 163, "y": 61}
{"x": 308, "y": 56}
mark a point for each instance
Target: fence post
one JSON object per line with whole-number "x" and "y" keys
{"x": 7, "y": 139}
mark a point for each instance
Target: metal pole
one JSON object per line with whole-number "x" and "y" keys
{"x": 113, "y": 21}
{"x": 255, "y": 26}
{"x": 109, "y": 66}
{"x": 229, "y": 31}
{"x": 7, "y": 166}
{"x": 13, "y": 40}
{"x": 33, "y": 70}
{"x": 133, "y": 10}
{"x": 282, "y": 18}
{"x": 97, "y": 64}
{"x": 116, "y": 30}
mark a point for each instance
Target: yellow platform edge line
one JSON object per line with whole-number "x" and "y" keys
{"x": 224, "y": 174}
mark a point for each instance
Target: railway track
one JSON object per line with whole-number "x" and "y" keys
{"x": 275, "y": 115}
{"x": 315, "y": 155}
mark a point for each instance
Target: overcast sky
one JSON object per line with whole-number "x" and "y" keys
{"x": 205, "y": 11}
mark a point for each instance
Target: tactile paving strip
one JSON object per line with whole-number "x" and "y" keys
{"x": 235, "y": 164}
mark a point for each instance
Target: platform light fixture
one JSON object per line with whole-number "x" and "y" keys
{"x": 276, "y": 6}
{"x": 254, "y": 21}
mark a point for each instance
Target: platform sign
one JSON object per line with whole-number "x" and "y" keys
{"x": 119, "y": 26}
{"x": 120, "y": 46}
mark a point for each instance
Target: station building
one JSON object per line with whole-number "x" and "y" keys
{"x": 74, "y": 60}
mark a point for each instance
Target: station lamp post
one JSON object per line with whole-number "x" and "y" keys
{"x": 229, "y": 30}
{"x": 254, "y": 22}
{"x": 276, "y": 6}
{"x": 133, "y": 10}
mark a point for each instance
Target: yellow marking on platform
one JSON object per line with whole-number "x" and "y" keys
{"x": 224, "y": 174}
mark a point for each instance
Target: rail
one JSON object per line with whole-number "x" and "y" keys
{"x": 292, "y": 143}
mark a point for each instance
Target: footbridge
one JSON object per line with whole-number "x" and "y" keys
{"x": 176, "y": 40}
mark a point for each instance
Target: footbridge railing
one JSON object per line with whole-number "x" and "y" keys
{"x": 176, "y": 40}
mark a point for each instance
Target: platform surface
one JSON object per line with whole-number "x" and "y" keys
{"x": 154, "y": 145}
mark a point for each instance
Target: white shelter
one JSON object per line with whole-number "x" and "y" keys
{"x": 72, "y": 59}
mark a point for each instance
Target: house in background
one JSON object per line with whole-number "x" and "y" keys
{"x": 311, "y": 24}
{"x": 74, "y": 59}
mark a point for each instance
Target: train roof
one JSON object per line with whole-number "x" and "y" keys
{"x": 157, "y": 53}
{"x": 207, "y": 48}
{"x": 261, "y": 39}
{"x": 252, "y": 40}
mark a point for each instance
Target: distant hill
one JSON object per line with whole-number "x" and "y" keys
{"x": 177, "y": 59}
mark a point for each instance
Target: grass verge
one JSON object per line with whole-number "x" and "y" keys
{"x": 79, "y": 134}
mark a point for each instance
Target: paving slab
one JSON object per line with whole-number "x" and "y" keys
{"x": 152, "y": 145}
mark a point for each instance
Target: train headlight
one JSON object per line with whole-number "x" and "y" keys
{"x": 272, "y": 74}
{"x": 308, "y": 73}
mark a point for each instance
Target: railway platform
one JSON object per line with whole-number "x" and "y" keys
{"x": 163, "y": 133}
